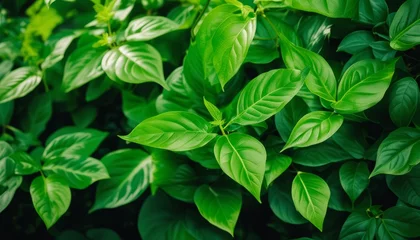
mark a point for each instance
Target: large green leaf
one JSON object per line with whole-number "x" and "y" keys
{"x": 231, "y": 42}
{"x": 82, "y": 66}
{"x": 359, "y": 226}
{"x": 399, "y": 223}
{"x": 51, "y": 198}
{"x": 130, "y": 174}
{"x": 354, "y": 177}
{"x": 310, "y": 195}
{"x": 25, "y": 164}
{"x": 363, "y": 85}
{"x": 219, "y": 205}
{"x": 6, "y": 195}
{"x": 149, "y": 27}
{"x": 73, "y": 143}
{"x": 19, "y": 83}
{"x": 356, "y": 42}
{"x": 176, "y": 131}
{"x": 403, "y": 101}
{"x": 79, "y": 172}
{"x": 314, "y": 128}
{"x": 320, "y": 80}
{"x": 242, "y": 158}
{"x": 266, "y": 95}
{"x": 372, "y": 11}
{"x": 398, "y": 153}
{"x": 134, "y": 62}
{"x": 407, "y": 186}
{"x": 329, "y": 8}
{"x": 405, "y": 27}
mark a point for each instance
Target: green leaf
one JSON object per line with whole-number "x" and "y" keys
{"x": 266, "y": 95}
{"x": 76, "y": 143}
{"x": 281, "y": 203}
{"x": 399, "y": 223}
{"x": 310, "y": 195}
{"x": 181, "y": 184}
{"x": 231, "y": 42}
{"x": 134, "y": 62}
{"x": 175, "y": 131}
{"x": 356, "y": 41}
{"x": 130, "y": 174}
{"x": 382, "y": 50}
{"x": 403, "y": 101}
{"x": 84, "y": 116}
{"x": 242, "y": 158}
{"x": 59, "y": 47}
{"x": 204, "y": 156}
{"x": 102, "y": 234}
{"x": 372, "y": 11}
{"x": 79, "y": 172}
{"x": 19, "y": 83}
{"x": 320, "y": 80}
{"x": 314, "y": 128}
{"x": 25, "y": 164}
{"x": 404, "y": 29}
{"x": 354, "y": 177}
{"x": 354, "y": 144}
{"x": 97, "y": 88}
{"x": 276, "y": 164}
{"x": 329, "y": 8}
{"x": 51, "y": 198}
{"x": 313, "y": 31}
{"x": 10, "y": 185}
{"x": 359, "y": 226}
{"x": 6, "y": 112}
{"x": 39, "y": 113}
{"x": 363, "y": 85}
{"x": 407, "y": 186}
{"x": 220, "y": 206}
{"x": 287, "y": 118}
{"x": 149, "y": 27}
{"x": 398, "y": 153}
{"x": 82, "y": 66}
{"x": 214, "y": 111}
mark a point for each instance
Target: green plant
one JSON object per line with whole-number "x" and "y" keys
{"x": 293, "y": 119}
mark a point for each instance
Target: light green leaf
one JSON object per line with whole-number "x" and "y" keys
{"x": 276, "y": 164}
{"x": 25, "y": 164}
{"x": 356, "y": 42}
{"x": 398, "y": 153}
{"x": 82, "y": 66}
{"x": 407, "y": 186}
{"x": 314, "y": 128}
{"x": 220, "y": 206}
{"x": 405, "y": 27}
{"x": 372, "y": 11}
{"x": 10, "y": 185}
{"x": 329, "y": 8}
{"x": 354, "y": 178}
{"x": 51, "y": 198}
{"x": 75, "y": 143}
{"x": 213, "y": 110}
{"x": 130, "y": 174}
{"x": 403, "y": 101}
{"x": 266, "y": 95}
{"x": 19, "y": 83}
{"x": 320, "y": 80}
{"x": 363, "y": 85}
{"x": 310, "y": 195}
{"x": 242, "y": 158}
{"x": 134, "y": 62}
{"x": 175, "y": 131}
{"x": 149, "y": 27}
{"x": 59, "y": 47}
{"x": 359, "y": 226}
{"x": 399, "y": 223}
{"x": 79, "y": 172}
{"x": 231, "y": 42}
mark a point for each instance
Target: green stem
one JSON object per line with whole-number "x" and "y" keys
{"x": 109, "y": 29}
{"x": 44, "y": 80}
{"x": 223, "y": 130}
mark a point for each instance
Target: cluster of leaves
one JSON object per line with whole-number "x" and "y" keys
{"x": 250, "y": 119}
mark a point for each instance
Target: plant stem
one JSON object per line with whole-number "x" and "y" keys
{"x": 223, "y": 130}
{"x": 44, "y": 80}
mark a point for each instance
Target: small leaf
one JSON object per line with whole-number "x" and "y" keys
{"x": 130, "y": 174}
{"x": 314, "y": 128}
{"x": 175, "y": 131}
{"x": 404, "y": 29}
{"x": 149, "y": 27}
{"x": 79, "y": 172}
{"x": 354, "y": 178}
{"x": 310, "y": 195}
{"x": 19, "y": 83}
{"x": 398, "y": 153}
{"x": 220, "y": 206}
{"x": 51, "y": 198}
{"x": 403, "y": 101}
{"x": 242, "y": 158}
{"x": 134, "y": 62}
{"x": 213, "y": 110}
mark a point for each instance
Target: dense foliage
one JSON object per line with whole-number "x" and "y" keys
{"x": 199, "y": 119}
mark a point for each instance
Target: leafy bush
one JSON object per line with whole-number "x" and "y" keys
{"x": 272, "y": 119}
